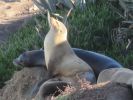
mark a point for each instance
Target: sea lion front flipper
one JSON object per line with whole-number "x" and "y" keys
{"x": 37, "y": 86}
{"x": 51, "y": 88}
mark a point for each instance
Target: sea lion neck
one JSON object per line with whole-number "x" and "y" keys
{"x": 57, "y": 36}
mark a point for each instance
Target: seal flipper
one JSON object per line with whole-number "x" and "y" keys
{"x": 51, "y": 88}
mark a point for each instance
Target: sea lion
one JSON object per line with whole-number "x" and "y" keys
{"x": 60, "y": 59}
{"x": 97, "y": 61}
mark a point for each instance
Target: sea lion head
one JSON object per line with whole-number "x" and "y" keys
{"x": 22, "y": 60}
{"x": 57, "y": 27}
{"x": 30, "y": 59}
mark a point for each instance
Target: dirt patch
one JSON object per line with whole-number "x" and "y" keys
{"x": 13, "y": 15}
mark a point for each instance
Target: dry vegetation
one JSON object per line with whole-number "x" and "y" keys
{"x": 101, "y": 91}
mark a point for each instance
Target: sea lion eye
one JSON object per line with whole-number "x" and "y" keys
{"x": 23, "y": 58}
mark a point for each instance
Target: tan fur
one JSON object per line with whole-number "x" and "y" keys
{"x": 60, "y": 58}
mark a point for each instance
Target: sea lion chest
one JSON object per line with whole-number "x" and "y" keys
{"x": 48, "y": 47}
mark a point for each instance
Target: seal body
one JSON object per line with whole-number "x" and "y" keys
{"x": 59, "y": 57}
{"x": 97, "y": 61}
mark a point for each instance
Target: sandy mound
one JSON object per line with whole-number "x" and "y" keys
{"x": 14, "y": 10}
{"x": 14, "y": 14}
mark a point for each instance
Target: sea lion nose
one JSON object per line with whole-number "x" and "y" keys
{"x": 15, "y": 62}
{"x": 18, "y": 61}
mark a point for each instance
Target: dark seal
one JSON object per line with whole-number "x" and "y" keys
{"x": 97, "y": 61}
